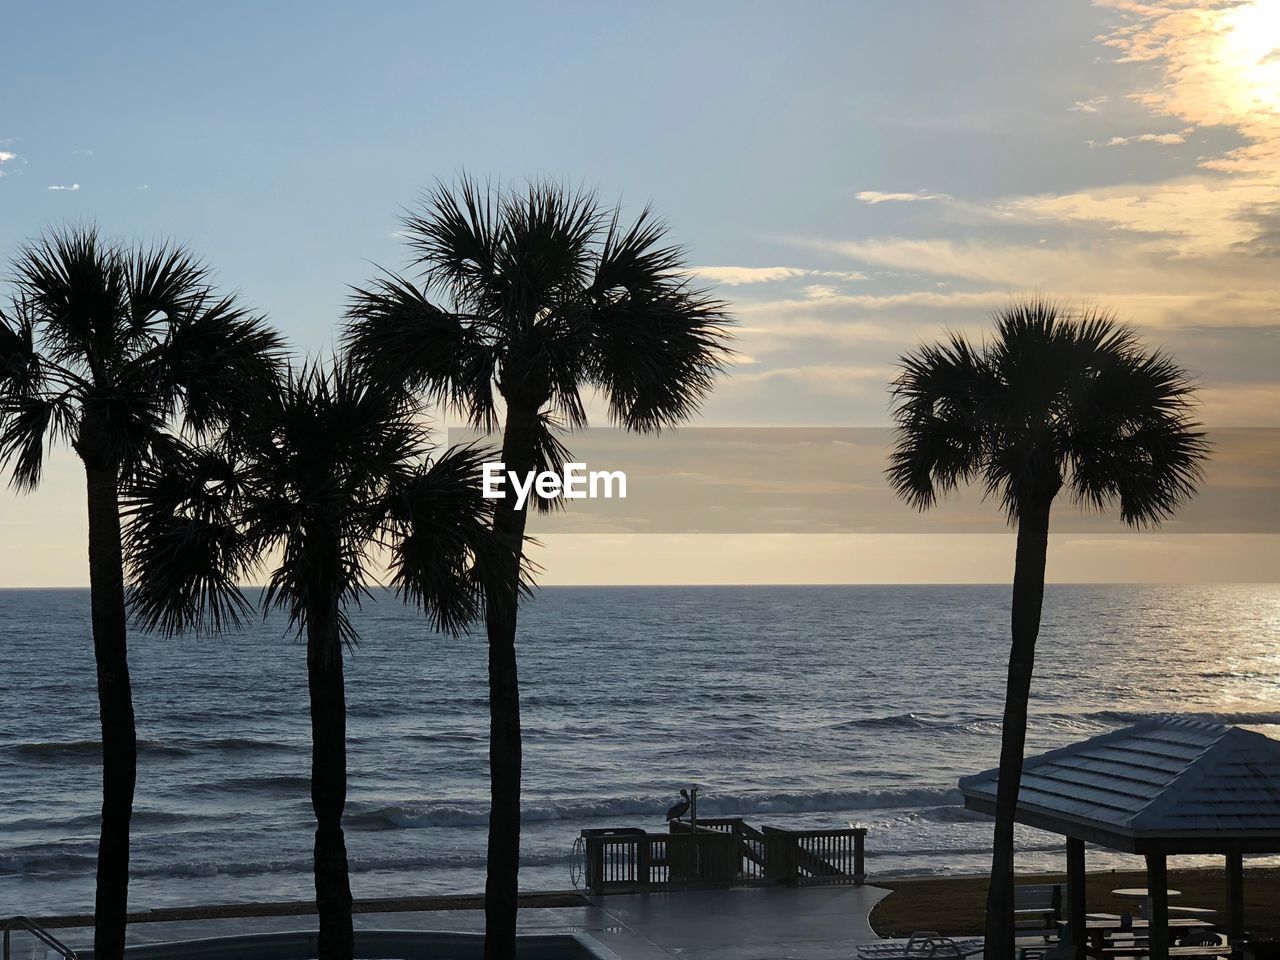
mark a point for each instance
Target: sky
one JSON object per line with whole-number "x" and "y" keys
{"x": 852, "y": 177}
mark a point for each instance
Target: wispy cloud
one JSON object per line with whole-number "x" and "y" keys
{"x": 739, "y": 276}
{"x": 1164, "y": 138}
{"x": 63, "y": 186}
{"x": 877, "y": 196}
{"x": 1088, "y": 106}
{"x": 742, "y": 276}
{"x": 836, "y": 380}
{"x": 5, "y": 157}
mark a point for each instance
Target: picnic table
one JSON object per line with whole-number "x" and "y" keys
{"x": 1110, "y": 922}
{"x": 1142, "y": 894}
{"x": 1108, "y": 937}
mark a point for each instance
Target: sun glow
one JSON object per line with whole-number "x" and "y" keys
{"x": 1247, "y": 58}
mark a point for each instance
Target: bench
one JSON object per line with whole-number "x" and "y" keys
{"x": 1142, "y": 950}
{"x": 1037, "y": 908}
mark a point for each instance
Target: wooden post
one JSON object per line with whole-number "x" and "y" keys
{"x": 859, "y": 856}
{"x": 1076, "y": 896}
{"x": 1158, "y": 889}
{"x": 1235, "y": 901}
{"x": 595, "y": 865}
{"x": 644, "y": 862}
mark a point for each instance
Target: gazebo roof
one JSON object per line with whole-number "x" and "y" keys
{"x": 1165, "y": 785}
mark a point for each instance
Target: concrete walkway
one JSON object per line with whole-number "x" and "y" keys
{"x": 772, "y": 923}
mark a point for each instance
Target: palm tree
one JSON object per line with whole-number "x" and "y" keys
{"x": 1055, "y": 401}
{"x": 535, "y": 296}
{"x": 113, "y": 349}
{"x": 331, "y": 480}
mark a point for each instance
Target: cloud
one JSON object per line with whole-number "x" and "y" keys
{"x": 876, "y": 196}
{"x": 1192, "y": 217}
{"x": 1163, "y": 138}
{"x": 827, "y": 379}
{"x": 1088, "y": 106}
{"x": 1240, "y": 405}
{"x": 1216, "y": 68}
{"x": 68, "y": 186}
{"x": 5, "y": 157}
{"x": 738, "y": 276}
{"x": 742, "y": 276}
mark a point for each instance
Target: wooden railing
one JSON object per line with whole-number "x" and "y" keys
{"x": 720, "y": 852}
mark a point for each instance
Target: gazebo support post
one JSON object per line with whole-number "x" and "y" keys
{"x": 1158, "y": 889}
{"x": 1075, "y": 895}
{"x": 1235, "y": 900}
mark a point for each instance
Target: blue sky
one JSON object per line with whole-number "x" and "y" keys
{"x": 281, "y": 140}
{"x": 852, "y": 176}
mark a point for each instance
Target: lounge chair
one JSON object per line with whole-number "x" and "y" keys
{"x": 922, "y": 945}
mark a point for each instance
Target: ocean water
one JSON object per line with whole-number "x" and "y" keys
{"x": 791, "y": 706}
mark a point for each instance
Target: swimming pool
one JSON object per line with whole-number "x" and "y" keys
{"x": 371, "y": 945}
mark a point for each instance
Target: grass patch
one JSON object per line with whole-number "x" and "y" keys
{"x": 956, "y": 905}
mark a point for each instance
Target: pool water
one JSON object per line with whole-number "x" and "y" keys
{"x": 370, "y": 945}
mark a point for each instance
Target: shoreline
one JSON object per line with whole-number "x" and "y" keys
{"x": 914, "y": 892}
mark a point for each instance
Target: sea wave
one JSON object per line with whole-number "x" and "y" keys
{"x": 922, "y": 721}
{"x": 60, "y": 750}
{"x": 274, "y": 783}
{"x": 1121, "y": 718}
{"x": 420, "y": 816}
{"x": 86, "y": 750}
{"x": 1085, "y": 722}
{"x": 91, "y": 821}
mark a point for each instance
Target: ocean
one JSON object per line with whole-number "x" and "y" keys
{"x": 790, "y": 706}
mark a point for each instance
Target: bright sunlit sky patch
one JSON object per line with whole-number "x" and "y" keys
{"x": 851, "y": 176}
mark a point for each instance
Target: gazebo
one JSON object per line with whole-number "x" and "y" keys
{"x": 1162, "y": 787}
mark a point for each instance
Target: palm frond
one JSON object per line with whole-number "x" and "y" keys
{"x": 396, "y": 333}
{"x": 441, "y": 541}
{"x": 456, "y": 239}
{"x": 220, "y": 360}
{"x": 657, "y": 357}
{"x": 21, "y": 367}
{"x": 77, "y": 284}
{"x": 185, "y": 549}
{"x": 28, "y": 424}
{"x": 164, "y": 281}
{"x": 546, "y": 248}
{"x": 940, "y": 396}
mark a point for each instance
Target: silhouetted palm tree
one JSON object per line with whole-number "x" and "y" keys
{"x": 542, "y": 294}
{"x": 113, "y": 350}
{"x": 330, "y": 481}
{"x": 1053, "y": 402}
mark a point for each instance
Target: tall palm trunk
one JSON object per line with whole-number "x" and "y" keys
{"x": 501, "y": 887}
{"x": 1028, "y": 598}
{"x": 115, "y": 710}
{"x": 329, "y": 781}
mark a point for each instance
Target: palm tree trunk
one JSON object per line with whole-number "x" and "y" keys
{"x": 1028, "y": 598}
{"x": 329, "y": 782}
{"x": 115, "y": 710}
{"x": 502, "y": 880}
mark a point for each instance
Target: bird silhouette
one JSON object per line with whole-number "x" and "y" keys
{"x": 680, "y": 809}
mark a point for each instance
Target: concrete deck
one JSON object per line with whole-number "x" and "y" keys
{"x": 773, "y": 923}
